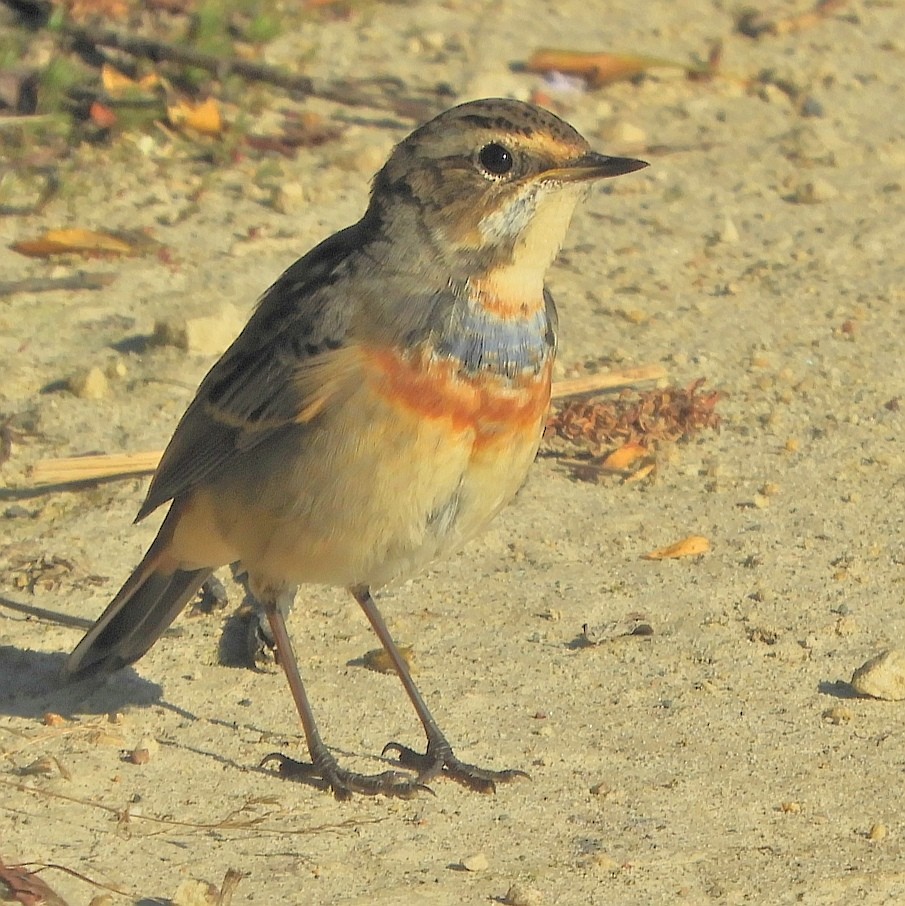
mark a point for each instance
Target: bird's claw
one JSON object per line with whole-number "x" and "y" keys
{"x": 439, "y": 760}
{"x": 345, "y": 783}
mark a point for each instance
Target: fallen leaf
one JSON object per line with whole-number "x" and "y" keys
{"x": 204, "y": 117}
{"x": 640, "y": 474}
{"x": 73, "y": 241}
{"x": 601, "y": 68}
{"x": 621, "y": 458}
{"x": 379, "y": 661}
{"x": 687, "y": 547}
{"x": 18, "y": 885}
{"x": 101, "y": 115}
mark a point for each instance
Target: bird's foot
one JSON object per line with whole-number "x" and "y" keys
{"x": 439, "y": 761}
{"x": 343, "y": 783}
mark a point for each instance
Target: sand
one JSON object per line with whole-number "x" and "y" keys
{"x": 721, "y": 759}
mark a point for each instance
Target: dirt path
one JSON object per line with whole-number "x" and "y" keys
{"x": 720, "y": 759}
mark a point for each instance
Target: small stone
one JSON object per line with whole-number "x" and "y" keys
{"x": 838, "y": 714}
{"x": 877, "y": 832}
{"x": 91, "y": 384}
{"x": 882, "y": 676}
{"x": 144, "y": 751}
{"x": 523, "y": 895}
{"x": 195, "y": 893}
{"x": 116, "y": 369}
{"x": 475, "y": 862}
{"x": 205, "y": 335}
{"x": 729, "y": 232}
{"x": 289, "y": 197}
{"x": 814, "y": 191}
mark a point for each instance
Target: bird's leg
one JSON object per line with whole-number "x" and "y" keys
{"x": 438, "y": 759}
{"x": 323, "y": 765}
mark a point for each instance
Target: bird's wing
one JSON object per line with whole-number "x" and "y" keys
{"x": 293, "y": 359}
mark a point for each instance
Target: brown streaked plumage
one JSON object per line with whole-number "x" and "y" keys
{"x": 384, "y": 401}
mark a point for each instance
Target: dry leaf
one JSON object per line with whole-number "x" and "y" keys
{"x": 621, "y": 458}
{"x": 18, "y": 885}
{"x": 640, "y": 474}
{"x": 687, "y": 547}
{"x": 116, "y": 83}
{"x": 379, "y": 661}
{"x": 600, "y": 68}
{"x": 204, "y": 117}
{"x": 73, "y": 241}
{"x": 101, "y": 115}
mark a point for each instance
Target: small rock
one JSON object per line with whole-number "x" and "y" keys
{"x": 882, "y": 676}
{"x": 729, "y": 232}
{"x": 289, "y": 197}
{"x": 91, "y": 384}
{"x": 205, "y": 335}
{"x": 877, "y": 832}
{"x": 195, "y": 893}
{"x": 116, "y": 369}
{"x": 838, "y": 714}
{"x": 476, "y": 862}
{"x": 523, "y": 895}
{"x": 144, "y": 751}
{"x": 814, "y": 191}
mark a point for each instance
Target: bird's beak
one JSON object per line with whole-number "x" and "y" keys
{"x": 594, "y": 166}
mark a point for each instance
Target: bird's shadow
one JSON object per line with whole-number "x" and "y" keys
{"x": 32, "y": 684}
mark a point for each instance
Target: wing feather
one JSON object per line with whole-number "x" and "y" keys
{"x": 293, "y": 359}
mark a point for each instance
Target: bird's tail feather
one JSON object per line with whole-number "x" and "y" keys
{"x": 139, "y": 615}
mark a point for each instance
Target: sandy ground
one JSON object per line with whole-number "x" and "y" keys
{"x": 721, "y": 759}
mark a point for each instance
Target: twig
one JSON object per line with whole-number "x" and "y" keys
{"x": 351, "y": 93}
{"x": 75, "y": 469}
{"x": 608, "y": 380}
{"x": 49, "y": 284}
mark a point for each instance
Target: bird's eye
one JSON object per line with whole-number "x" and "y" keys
{"x": 495, "y": 159}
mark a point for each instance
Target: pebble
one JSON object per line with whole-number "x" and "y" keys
{"x": 877, "y": 832}
{"x": 144, "y": 751}
{"x": 838, "y": 714}
{"x": 814, "y": 191}
{"x": 476, "y": 862}
{"x": 882, "y": 676}
{"x": 289, "y": 197}
{"x": 90, "y": 384}
{"x": 205, "y": 335}
{"x": 195, "y": 893}
{"x": 729, "y": 232}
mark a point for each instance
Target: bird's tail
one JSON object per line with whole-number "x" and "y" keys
{"x": 138, "y": 616}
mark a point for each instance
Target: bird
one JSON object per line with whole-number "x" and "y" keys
{"x": 383, "y": 403}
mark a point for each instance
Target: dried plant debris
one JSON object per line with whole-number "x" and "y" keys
{"x": 46, "y": 573}
{"x": 756, "y": 22}
{"x": 603, "y": 67}
{"x": 621, "y": 434}
{"x": 18, "y": 885}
